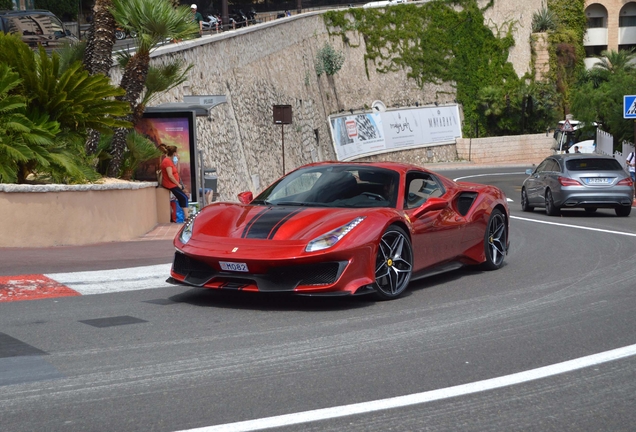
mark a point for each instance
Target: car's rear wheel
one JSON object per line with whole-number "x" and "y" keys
{"x": 495, "y": 240}
{"x": 590, "y": 210}
{"x": 120, "y": 34}
{"x": 525, "y": 204}
{"x": 394, "y": 263}
{"x": 623, "y": 211}
{"x": 550, "y": 208}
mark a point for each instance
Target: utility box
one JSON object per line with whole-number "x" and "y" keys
{"x": 282, "y": 114}
{"x": 210, "y": 183}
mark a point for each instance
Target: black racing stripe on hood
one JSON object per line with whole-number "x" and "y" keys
{"x": 248, "y": 226}
{"x": 281, "y": 222}
{"x": 266, "y": 223}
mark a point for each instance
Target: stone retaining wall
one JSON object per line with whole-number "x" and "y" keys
{"x": 273, "y": 64}
{"x": 521, "y": 149}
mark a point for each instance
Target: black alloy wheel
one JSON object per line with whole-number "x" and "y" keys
{"x": 495, "y": 240}
{"x": 550, "y": 208}
{"x": 394, "y": 263}
{"x": 525, "y": 204}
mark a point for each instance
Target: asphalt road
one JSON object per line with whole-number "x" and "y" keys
{"x": 472, "y": 350}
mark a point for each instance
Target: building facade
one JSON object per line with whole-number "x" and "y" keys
{"x": 611, "y": 25}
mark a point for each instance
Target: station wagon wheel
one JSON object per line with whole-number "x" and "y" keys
{"x": 495, "y": 240}
{"x": 623, "y": 211}
{"x": 393, "y": 264}
{"x": 550, "y": 208}
{"x": 525, "y": 204}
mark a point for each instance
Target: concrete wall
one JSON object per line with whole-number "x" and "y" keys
{"x": 518, "y": 149}
{"x": 273, "y": 64}
{"x": 56, "y": 215}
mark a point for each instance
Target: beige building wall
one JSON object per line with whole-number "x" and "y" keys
{"x": 613, "y": 8}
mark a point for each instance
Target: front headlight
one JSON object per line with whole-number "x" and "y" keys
{"x": 186, "y": 232}
{"x": 332, "y": 237}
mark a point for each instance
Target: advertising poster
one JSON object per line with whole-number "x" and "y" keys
{"x": 360, "y": 135}
{"x": 171, "y": 129}
{"x": 357, "y": 134}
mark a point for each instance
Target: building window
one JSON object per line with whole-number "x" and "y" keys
{"x": 596, "y": 22}
{"x": 627, "y": 21}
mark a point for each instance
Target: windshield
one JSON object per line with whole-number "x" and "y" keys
{"x": 334, "y": 186}
{"x": 35, "y": 24}
{"x": 592, "y": 164}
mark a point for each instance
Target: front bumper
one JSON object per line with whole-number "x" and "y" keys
{"x": 318, "y": 278}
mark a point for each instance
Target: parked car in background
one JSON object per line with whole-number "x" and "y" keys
{"x": 578, "y": 181}
{"x": 36, "y": 28}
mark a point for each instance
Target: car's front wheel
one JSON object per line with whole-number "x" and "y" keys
{"x": 393, "y": 264}
{"x": 550, "y": 208}
{"x": 623, "y": 211}
{"x": 525, "y": 204}
{"x": 495, "y": 240}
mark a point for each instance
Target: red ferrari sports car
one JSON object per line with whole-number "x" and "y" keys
{"x": 343, "y": 228}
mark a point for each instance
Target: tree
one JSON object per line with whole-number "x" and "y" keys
{"x": 6, "y": 4}
{"x": 598, "y": 97}
{"x": 154, "y": 21}
{"x": 98, "y": 57}
{"x": 61, "y": 104}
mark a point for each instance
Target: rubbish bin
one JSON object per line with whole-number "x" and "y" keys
{"x": 210, "y": 183}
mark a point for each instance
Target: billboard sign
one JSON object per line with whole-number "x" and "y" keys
{"x": 366, "y": 134}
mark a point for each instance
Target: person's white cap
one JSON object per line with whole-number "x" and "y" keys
{"x": 193, "y": 6}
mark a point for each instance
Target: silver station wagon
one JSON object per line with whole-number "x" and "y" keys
{"x": 587, "y": 181}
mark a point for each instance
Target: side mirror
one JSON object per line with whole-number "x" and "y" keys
{"x": 431, "y": 204}
{"x": 245, "y": 197}
{"x": 529, "y": 171}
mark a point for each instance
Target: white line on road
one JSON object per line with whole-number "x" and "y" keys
{"x": 108, "y": 281}
{"x": 574, "y": 226}
{"x": 420, "y": 398}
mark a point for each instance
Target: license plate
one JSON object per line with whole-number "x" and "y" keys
{"x": 597, "y": 180}
{"x": 233, "y": 266}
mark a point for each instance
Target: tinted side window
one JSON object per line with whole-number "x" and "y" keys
{"x": 553, "y": 166}
{"x": 419, "y": 188}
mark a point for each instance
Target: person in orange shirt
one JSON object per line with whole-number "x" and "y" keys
{"x": 170, "y": 177}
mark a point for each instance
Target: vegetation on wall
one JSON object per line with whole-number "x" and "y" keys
{"x": 566, "y": 47}
{"x": 449, "y": 42}
{"x": 328, "y": 60}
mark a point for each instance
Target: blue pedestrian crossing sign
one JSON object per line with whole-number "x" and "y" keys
{"x": 629, "y": 107}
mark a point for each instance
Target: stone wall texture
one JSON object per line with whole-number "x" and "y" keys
{"x": 273, "y": 64}
{"x": 517, "y": 150}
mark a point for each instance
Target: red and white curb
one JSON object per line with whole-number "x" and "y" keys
{"x": 40, "y": 286}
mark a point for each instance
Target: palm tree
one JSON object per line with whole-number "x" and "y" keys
{"x": 154, "y": 21}
{"x": 98, "y": 57}
{"x": 60, "y": 103}
{"x": 614, "y": 61}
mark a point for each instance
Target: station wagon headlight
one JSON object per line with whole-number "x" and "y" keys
{"x": 332, "y": 237}
{"x": 186, "y": 232}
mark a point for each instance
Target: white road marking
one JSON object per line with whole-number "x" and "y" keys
{"x": 488, "y": 175}
{"x": 420, "y": 398}
{"x": 108, "y": 281}
{"x": 574, "y": 226}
